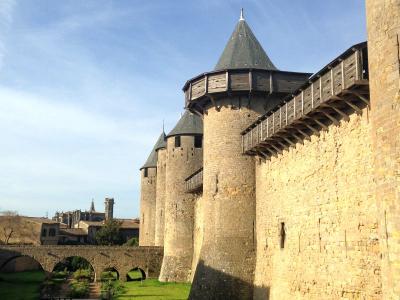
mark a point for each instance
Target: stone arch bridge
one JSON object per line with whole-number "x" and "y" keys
{"x": 121, "y": 258}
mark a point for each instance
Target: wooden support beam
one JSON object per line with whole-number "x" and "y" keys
{"x": 288, "y": 141}
{"x": 320, "y": 124}
{"x": 300, "y": 140}
{"x": 270, "y": 151}
{"x": 197, "y": 112}
{"x": 343, "y": 114}
{"x": 276, "y": 148}
{"x": 311, "y": 128}
{"x": 304, "y": 134}
{"x": 359, "y": 96}
{"x": 355, "y": 107}
{"x": 335, "y": 121}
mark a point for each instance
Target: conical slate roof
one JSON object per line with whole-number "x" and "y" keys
{"x": 244, "y": 51}
{"x": 161, "y": 142}
{"x": 151, "y": 161}
{"x": 189, "y": 124}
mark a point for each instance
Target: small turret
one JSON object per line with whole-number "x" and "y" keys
{"x": 148, "y": 196}
{"x": 184, "y": 157}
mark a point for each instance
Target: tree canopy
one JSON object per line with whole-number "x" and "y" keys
{"x": 110, "y": 234}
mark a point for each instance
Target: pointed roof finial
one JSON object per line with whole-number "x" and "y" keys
{"x": 163, "y": 127}
{"x": 241, "y": 15}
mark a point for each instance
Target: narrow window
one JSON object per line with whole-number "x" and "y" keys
{"x": 52, "y": 232}
{"x": 146, "y": 172}
{"x": 198, "y": 141}
{"x": 282, "y": 235}
{"x": 44, "y": 232}
{"x": 177, "y": 141}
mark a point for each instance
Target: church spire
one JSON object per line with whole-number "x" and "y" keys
{"x": 241, "y": 15}
{"x": 92, "y": 206}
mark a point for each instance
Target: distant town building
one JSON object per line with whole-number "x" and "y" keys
{"x": 72, "y": 218}
{"x": 71, "y": 227}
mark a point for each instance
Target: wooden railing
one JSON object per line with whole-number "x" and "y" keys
{"x": 194, "y": 183}
{"x": 327, "y": 97}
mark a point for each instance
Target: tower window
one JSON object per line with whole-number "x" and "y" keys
{"x": 282, "y": 235}
{"x": 146, "y": 172}
{"x": 177, "y": 141}
{"x": 198, "y": 141}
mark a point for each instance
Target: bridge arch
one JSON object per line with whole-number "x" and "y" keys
{"x": 76, "y": 262}
{"x": 122, "y": 258}
{"x": 113, "y": 273}
{"x": 4, "y": 263}
{"x": 136, "y": 274}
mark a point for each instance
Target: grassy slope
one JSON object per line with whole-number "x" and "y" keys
{"x": 152, "y": 289}
{"x": 21, "y": 285}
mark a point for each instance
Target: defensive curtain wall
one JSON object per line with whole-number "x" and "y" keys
{"x": 122, "y": 259}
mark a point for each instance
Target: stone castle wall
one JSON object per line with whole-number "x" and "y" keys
{"x": 322, "y": 191}
{"x": 179, "y": 209}
{"x": 198, "y": 233}
{"x": 383, "y": 24}
{"x": 148, "y": 207}
{"x": 160, "y": 196}
{"x": 227, "y": 256}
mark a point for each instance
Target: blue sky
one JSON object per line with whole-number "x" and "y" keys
{"x": 86, "y": 85}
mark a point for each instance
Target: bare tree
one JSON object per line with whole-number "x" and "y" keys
{"x": 9, "y": 222}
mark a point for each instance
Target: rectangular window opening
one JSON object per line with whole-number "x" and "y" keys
{"x": 198, "y": 141}
{"x": 282, "y": 235}
{"x": 177, "y": 141}
{"x": 146, "y": 172}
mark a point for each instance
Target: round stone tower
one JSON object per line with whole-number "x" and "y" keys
{"x": 243, "y": 85}
{"x": 109, "y": 208}
{"x": 148, "y": 197}
{"x": 184, "y": 157}
{"x": 160, "y": 192}
{"x": 383, "y": 26}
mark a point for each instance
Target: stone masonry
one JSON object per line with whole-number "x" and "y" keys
{"x": 160, "y": 196}
{"x": 148, "y": 207}
{"x": 322, "y": 191}
{"x": 383, "y": 24}
{"x": 179, "y": 209}
{"x": 311, "y": 209}
{"x": 122, "y": 259}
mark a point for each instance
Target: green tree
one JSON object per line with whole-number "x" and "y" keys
{"x": 109, "y": 234}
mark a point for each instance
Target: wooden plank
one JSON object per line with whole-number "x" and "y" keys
{"x": 239, "y": 81}
{"x": 261, "y": 81}
{"x": 216, "y": 83}
{"x": 198, "y": 88}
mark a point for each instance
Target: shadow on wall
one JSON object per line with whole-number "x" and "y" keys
{"x": 209, "y": 283}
